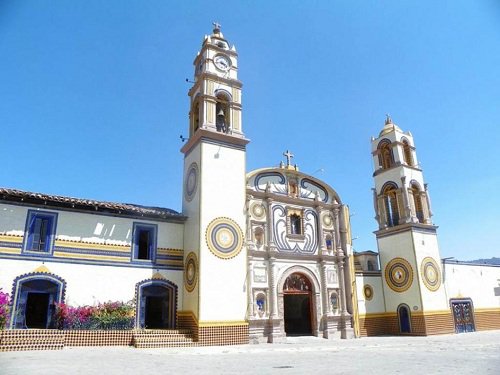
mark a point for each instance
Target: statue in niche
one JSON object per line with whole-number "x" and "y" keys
{"x": 259, "y": 237}
{"x": 293, "y": 188}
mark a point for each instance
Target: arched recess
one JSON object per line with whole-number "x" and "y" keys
{"x": 407, "y": 152}
{"x": 391, "y": 204}
{"x": 299, "y": 301}
{"x": 404, "y": 318}
{"x": 223, "y": 111}
{"x": 195, "y": 115}
{"x": 418, "y": 203}
{"x": 34, "y": 298}
{"x": 385, "y": 154}
{"x": 156, "y": 304}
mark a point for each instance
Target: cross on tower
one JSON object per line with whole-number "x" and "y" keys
{"x": 288, "y": 156}
{"x": 216, "y": 26}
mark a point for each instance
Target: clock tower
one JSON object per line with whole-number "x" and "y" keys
{"x": 215, "y": 295}
{"x": 414, "y": 293}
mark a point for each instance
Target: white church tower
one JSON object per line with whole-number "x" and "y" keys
{"x": 215, "y": 296}
{"x": 407, "y": 240}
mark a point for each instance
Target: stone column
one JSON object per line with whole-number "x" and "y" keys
{"x": 272, "y": 288}
{"x": 428, "y": 201}
{"x": 338, "y": 248}
{"x": 407, "y": 218}
{"x": 327, "y": 308}
{"x": 321, "y": 242}
{"x": 376, "y": 208}
{"x": 269, "y": 227}
{"x": 251, "y": 305}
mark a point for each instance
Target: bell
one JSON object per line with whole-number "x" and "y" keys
{"x": 221, "y": 113}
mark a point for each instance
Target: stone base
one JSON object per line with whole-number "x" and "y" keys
{"x": 266, "y": 331}
{"x": 337, "y": 327}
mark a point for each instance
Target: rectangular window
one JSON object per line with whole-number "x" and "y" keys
{"x": 144, "y": 242}
{"x": 40, "y": 231}
{"x": 295, "y": 224}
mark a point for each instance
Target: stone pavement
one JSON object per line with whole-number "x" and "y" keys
{"x": 472, "y": 353}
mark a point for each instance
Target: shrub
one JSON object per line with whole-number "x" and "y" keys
{"x": 4, "y": 309}
{"x": 108, "y": 316}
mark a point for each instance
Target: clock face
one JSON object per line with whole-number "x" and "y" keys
{"x": 222, "y": 62}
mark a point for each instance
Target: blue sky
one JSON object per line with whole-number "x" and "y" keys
{"x": 93, "y": 98}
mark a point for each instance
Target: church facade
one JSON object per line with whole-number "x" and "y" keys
{"x": 253, "y": 257}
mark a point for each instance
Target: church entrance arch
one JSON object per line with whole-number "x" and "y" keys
{"x": 156, "y": 304}
{"x": 297, "y": 304}
{"x": 34, "y": 299}
{"x": 404, "y": 319}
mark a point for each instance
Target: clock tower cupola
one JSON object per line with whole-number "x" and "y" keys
{"x": 216, "y": 93}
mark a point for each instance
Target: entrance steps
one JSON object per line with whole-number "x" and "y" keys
{"x": 163, "y": 338}
{"x": 31, "y": 339}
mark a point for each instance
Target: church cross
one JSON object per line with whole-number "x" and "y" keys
{"x": 288, "y": 156}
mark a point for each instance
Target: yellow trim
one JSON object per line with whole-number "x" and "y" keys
{"x": 59, "y": 254}
{"x": 223, "y": 323}
{"x": 13, "y": 239}
{"x": 175, "y": 252}
{"x": 93, "y": 246}
{"x": 430, "y": 313}
{"x": 487, "y": 309}
{"x": 169, "y": 261}
{"x": 378, "y": 315}
{"x": 8, "y": 250}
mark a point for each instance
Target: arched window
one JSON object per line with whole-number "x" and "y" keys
{"x": 370, "y": 266}
{"x": 295, "y": 224}
{"x": 404, "y": 317}
{"x": 222, "y": 112}
{"x": 390, "y": 193}
{"x": 407, "y": 153}
{"x": 417, "y": 201}
{"x": 195, "y": 117}
{"x": 385, "y": 155}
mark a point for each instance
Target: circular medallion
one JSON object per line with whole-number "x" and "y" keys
{"x": 191, "y": 182}
{"x": 399, "y": 274}
{"x": 190, "y": 271}
{"x": 327, "y": 220}
{"x": 368, "y": 292}
{"x": 430, "y": 274}
{"x": 224, "y": 238}
{"x": 258, "y": 211}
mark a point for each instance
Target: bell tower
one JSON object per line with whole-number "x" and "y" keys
{"x": 215, "y": 296}
{"x": 407, "y": 239}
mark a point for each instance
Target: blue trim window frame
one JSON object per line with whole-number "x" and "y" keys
{"x": 144, "y": 239}
{"x": 40, "y": 232}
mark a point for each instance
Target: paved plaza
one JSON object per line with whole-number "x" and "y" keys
{"x": 472, "y": 353}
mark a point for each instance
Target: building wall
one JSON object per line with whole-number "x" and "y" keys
{"x": 480, "y": 284}
{"x": 91, "y": 252}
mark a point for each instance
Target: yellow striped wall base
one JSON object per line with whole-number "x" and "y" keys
{"x": 422, "y": 324}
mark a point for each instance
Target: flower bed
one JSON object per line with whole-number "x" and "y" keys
{"x": 104, "y": 316}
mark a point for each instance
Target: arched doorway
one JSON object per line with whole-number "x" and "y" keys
{"x": 404, "y": 319}
{"x": 35, "y": 296}
{"x": 297, "y": 305}
{"x": 156, "y": 304}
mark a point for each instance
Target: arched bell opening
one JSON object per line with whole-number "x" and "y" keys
{"x": 222, "y": 111}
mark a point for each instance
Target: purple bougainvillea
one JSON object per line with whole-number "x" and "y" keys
{"x": 4, "y": 309}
